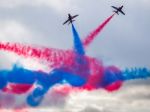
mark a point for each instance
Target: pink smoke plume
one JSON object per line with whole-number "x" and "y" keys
{"x": 93, "y": 34}
{"x": 56, "y": 57}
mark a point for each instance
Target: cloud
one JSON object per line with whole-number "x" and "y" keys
{"x": 6, "y": 100}
{"x": 91, "y": 109}
{"x": 127, "y": 99}
{"x": 58, "y": 5}
{"x": 11, "y": 3}
{"x": 11, "y": 30}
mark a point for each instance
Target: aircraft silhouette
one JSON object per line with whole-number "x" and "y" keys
{"x": 70, "y": 19}
{"x": 118, "y": 9}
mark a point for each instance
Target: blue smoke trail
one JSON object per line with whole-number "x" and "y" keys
{"x": 112, "y": 76}
{"x": 44, "y": 81}
{"x": 19, "y": 75}
{"x": 78, "y": 46}
{"x": 135, "y": 73}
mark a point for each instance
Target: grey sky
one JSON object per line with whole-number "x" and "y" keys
{"x": 124, "y": 42}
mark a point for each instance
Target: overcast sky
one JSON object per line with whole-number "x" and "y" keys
{"x": 124, "y": 42}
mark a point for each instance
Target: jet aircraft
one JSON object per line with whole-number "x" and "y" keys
{"x": 118, "y": 9}
{"x": 70, "y": 19}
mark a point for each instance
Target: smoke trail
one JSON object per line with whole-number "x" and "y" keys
{"x": 75, "y": 75}
{"x": 50, "y": 55}
{"x": 136, "y": 73}
{"x": 44, "y": 81}
{"x": 97, "y": 70}
{"x": 77, "y": 42}
{"x": 19, "y": 75}
{"x": 17, "y": 88}
{"x": 55, "y": 58}
{"x": 93, "y": 34}
{"x": 109, "y": 78}
{"x": 86, "y": 74}
{"x": 113, "y": 77}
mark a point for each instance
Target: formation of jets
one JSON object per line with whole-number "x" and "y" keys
{"x": 70, "y": 19}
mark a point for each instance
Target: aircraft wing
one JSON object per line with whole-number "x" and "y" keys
{"x": 74, "y": 16}
{"x": 122, "y": 12}
{"x": 114, "y": 7}
{"x": 66, "y": 22}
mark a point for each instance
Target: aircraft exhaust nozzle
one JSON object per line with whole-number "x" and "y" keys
{"x": 116, "y": 12}
{"x": 70, "y": 22}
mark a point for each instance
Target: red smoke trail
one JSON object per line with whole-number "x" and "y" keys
{"x": 109, "y": 78}
{"x": 17, "y": 88}
{"x": 50, "y": 55}
{"x": 93, "y": 34}
{"x": 56, "y": 57}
